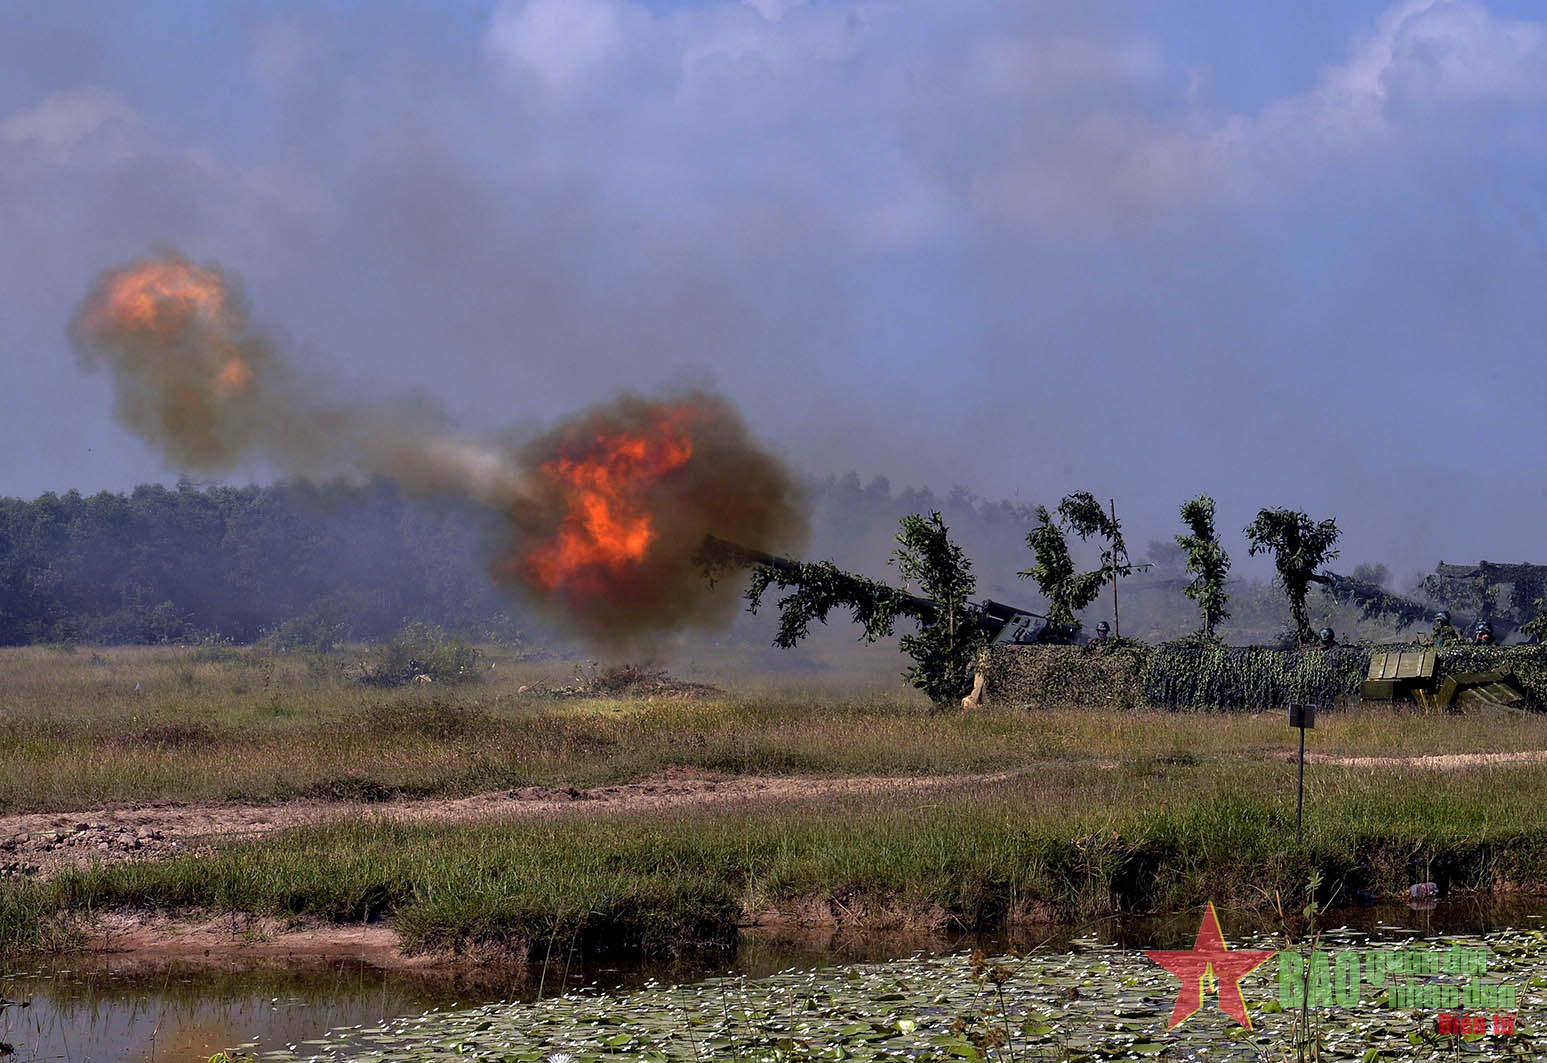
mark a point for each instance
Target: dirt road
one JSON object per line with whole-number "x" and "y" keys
{"x": 38, "y": 843}
{"x": 42, "y": 842}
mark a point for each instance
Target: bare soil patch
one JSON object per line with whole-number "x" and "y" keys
{"x": 1436, "y": 762}
{"x": 40, "y": 843}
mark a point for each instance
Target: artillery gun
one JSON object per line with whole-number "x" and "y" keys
{"x": 1373, "y": 600}
{"x": 1001, "y": 622}
{"x": 1470, "y": 590}
{"x": 1476, "y": 587}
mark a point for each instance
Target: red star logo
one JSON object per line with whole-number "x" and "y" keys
{"x": 1210, "y": 960}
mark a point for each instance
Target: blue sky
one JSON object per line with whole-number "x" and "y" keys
{"x": 1282, "y": 254}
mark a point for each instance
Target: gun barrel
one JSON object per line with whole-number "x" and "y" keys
{"x": 716, "y": 553}
{"x": 1003, "y": 621}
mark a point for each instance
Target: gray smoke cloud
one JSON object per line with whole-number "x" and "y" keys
{"x": 1287, "y": 259}
{"x": 604, "y": 511}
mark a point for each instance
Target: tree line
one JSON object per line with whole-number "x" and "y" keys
{"x": 318, "y": 564}
{"x": 161, "y": 564}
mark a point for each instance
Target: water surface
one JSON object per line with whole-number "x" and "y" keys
{"x": 108, "y": 1009}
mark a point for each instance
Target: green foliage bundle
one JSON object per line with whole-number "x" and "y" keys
{"x": 424, "y": 649}
{"x": 1299, "y": 547}
{"x": 1207, "y": 561}
{"x": 1373, "y": 601}
{"x": 1464, "y": 597}
{"x": 816, "y": 589}
{"x": 946, "y": 646}
{"x": 1536, "y": 628}
{"x": 1068, "y": 591}
{"x": 950, "y": 630}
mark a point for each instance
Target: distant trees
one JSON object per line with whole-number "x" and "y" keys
{"x": 1066, "y": 589}
{"x": 1299, "y": 547}
{"x": 1207, "y": 561}
{"x": 161, "y": 564}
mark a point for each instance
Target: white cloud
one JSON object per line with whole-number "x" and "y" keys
{"x": 63, "y": 120}
{"x": 1115, "y": 161}
{"x": 774, "y": 10}
{"x": 565, "y": 45}
{"x": 279, "y": 51}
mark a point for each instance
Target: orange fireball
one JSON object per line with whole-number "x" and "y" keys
{"x": 604, "y": 484}
{"x": 158, "y": 299}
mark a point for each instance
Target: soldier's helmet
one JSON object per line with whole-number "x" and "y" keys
{"x": 1442, "y": 617}
{"x": 1325, "y": 634}
{"x": 1102, "y": 628}
{"x": 1483, "y": 628}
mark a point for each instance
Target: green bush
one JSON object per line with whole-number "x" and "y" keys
{"x": 318, "y": 630}
{"x": 424, "y": 649}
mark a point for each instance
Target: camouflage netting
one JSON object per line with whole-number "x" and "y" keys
{"x": 1109, "y": 676}
{"x": 1193, "y": 675}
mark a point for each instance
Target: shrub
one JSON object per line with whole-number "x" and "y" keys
{"x": 318, "y": 630}
{"x": 424, "y": 649}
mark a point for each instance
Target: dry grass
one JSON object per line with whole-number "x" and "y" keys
{"x": 1145, "y": 836}
{"x": 84, "y": 728}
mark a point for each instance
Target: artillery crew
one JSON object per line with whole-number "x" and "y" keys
{"x": 1482, "y": 635}
{"x": 1445, "y": 633}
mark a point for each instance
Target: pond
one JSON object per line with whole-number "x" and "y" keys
{"x": 1073, "y": 993}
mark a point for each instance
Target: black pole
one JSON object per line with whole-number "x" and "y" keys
{"x": 1300, "y": 795}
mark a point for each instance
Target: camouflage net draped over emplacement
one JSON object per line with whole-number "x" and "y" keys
{"x": 1196, "y": 675}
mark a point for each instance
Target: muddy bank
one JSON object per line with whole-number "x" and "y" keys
{"x": 131, "y": 945}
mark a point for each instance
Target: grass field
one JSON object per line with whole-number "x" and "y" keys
{"x": 248, "y": 726}
{"x": 1062, "y": 843}
{"x": 1108, "y": 811}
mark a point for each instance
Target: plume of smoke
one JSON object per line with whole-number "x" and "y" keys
{"x": 191, "y": 375}
{"x": 604, "y": 511}
{"x": 619, "y": 497}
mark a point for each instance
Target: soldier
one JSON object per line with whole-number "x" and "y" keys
{"x": 1102, "y": 632}
{"x": 1445, "y": 633}
{"x": 1482, "y": 635}
{"x": 1326, "y": 639}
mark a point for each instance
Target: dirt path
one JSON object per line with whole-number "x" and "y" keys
{"x": 1438, "y": 762}
{"x": 42, "y": 842}
{"x": 39, "y": 843}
